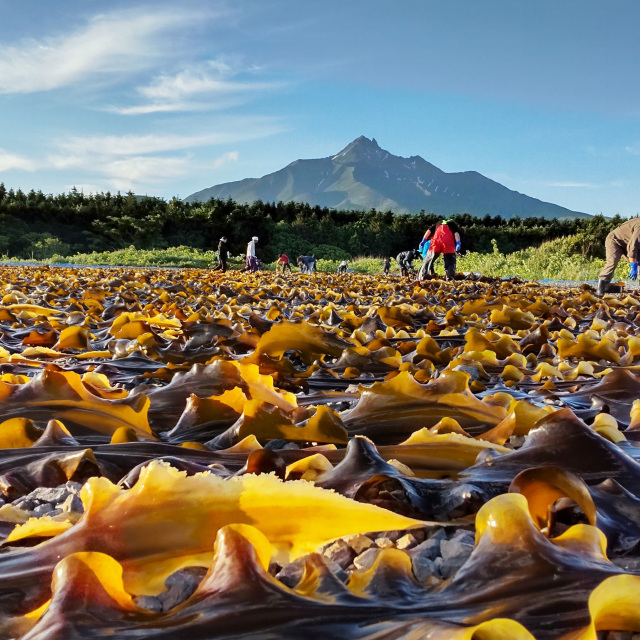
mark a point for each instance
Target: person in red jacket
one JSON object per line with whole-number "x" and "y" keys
{"x": 445, "y": 240}
{"x": 283, "y": 261}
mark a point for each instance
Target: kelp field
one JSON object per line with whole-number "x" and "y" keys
{"x": 194, "y": 454}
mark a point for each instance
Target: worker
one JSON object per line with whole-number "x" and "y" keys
{"x": 283, "y": 262}
{"x": 405, "y": 261}
{"x": 252, "y": 260}
{"x": 445, "y": 240}
{"x": 622, "y": 241}
{"x": 223, "y": 253}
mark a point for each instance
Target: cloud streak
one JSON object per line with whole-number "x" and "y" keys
{"x": 135, "y": 161}
{"x": 108, "y": 45}
{"x": 10, "y": 161}
{"x": 210, "y": 85}
{"x": 575, "y": 185}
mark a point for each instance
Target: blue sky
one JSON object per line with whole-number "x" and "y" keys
{"x": 167, "y": 98}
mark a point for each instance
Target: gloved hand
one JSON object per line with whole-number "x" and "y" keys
{"x": 458, "y": 246}
{"x": 633, "y": 270}
{"x": 422, "y": 242}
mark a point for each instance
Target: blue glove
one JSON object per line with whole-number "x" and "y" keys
{"x": 421, "y": 244}
{"x": 633, "y": 270}
{"x": 458, "y": 246}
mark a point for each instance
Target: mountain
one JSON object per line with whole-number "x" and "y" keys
{"x": 364, "y": 176}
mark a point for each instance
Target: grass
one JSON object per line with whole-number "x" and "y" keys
{"x": 555, "y": 260}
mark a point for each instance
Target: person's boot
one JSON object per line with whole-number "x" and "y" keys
{"x": 602, "y": 286}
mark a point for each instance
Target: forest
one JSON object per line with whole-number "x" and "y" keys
{"x": 38, "y": 226}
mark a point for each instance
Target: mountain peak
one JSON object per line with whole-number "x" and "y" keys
{"x": 363, "y": 176}
{"x": 360, "y": 149}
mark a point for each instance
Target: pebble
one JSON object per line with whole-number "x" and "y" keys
{"x": 430, "y": 549}
{"x": 180, "y": 586}
{"x": 52, "y": 500}
{"x": 291, "y": 573}
{"x": 42, "y": 509}
{"x": 455, "y": 548}
{"x": 359, "y": 542}
{"x": 73, "y": 504}
{"x": 406, "y": 542}
{"x": 423, "y": 568}
{"x": 367, "y": 559}
{"x": 340, "y": 553}
{"x": 384, "y": 543}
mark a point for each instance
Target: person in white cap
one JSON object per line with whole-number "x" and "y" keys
{"x": 252, "y": 261}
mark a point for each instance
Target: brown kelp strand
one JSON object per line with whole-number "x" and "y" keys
{"x": 185, "y": 453}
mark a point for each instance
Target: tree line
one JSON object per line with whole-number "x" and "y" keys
{"x": 38, "y": 225}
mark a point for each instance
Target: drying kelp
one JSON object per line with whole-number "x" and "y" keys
{"x": 188, "y": 453}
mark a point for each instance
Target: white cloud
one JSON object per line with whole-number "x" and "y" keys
{"x": 215, "y": 83}
{"x": 116, "y": 43}
{"x": 212, "y": 77}
{"x": 633, "y": 150}
{"x": 14, "y": 161}
{"x": 231, "y": 130}
{"x": 135, "y": 161}
{"x": 127, "y": 173}
{"x": 571, "y": 185}
{"x": 232, "y": 156}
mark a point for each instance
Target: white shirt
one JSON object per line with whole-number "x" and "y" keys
{"x": 251, "y": 249}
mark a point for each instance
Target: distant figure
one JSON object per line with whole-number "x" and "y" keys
{"x": 423, "y": 249}
{"x": 283, "y": 262}
{"x": 252, "y": 261}
{"x": 307, "y": 264}
{"x": 622, "y": 241}
{"x": 386, "y": 265}
{"x": 444, "y": 240}
{"x": 223, "y": 254}
{"x": 405, "y": 261}
{"x": 343, "y": 267}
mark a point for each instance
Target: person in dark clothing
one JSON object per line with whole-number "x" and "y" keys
{"x": 223, "y": 254}
{"x": 445, "y": 240}
{"x": 622, "y": 241}
{"x": 307, "y": 264}
{"x": 386, "y": 265}
{"x": 405, "y": 260}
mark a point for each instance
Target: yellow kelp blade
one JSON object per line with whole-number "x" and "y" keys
{"x": 173, "y": 519}
{"x": 268, "y": 422}
{"x": 44, "y": 527}
{"x": 425, "y": 450}
{"x": 16, "y": 433}
{"x": 393, "y": 409}
{"x": 614, "y": 605}
{"x": 542, "y": 486}
{"x": 62, "y": 395}
{"x": 308, "y": 468}
{"x": 76, "y": 338}
{"x": 310, "y": 341}
{"x": 87, "y": 587}
{"x": 496, "y": 629}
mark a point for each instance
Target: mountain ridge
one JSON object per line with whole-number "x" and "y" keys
{"x": 363, "y": 176}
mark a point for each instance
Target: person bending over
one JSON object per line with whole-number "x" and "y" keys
{"x": 622, "y": 241}
{"x": 283, "y": 263}
{"x": 445, "y": 240}
{"x": 405, "y": 261}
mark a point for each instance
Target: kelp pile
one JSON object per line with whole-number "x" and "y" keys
{"x": 188, "y": 454}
